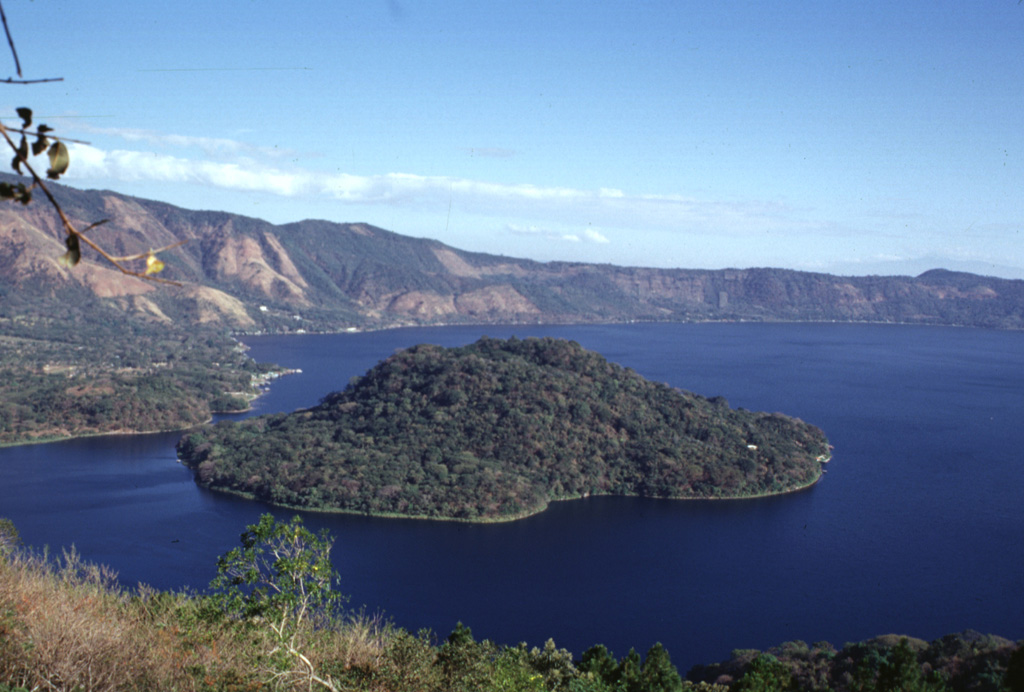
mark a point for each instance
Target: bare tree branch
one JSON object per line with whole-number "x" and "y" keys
{"x": 30, "y": 133}
{"x": 10, "y": 41}
{"x": 69, "y": 227}
{"x": 59, "y": 163}
{"x": 11, "y": 80}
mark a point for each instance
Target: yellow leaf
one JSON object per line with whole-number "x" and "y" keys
{"x": 59, "y": 160}
{"x": 74, "y": 253}
{"x": 153, "y": 265}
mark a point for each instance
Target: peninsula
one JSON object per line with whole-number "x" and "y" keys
{"x": 498, "y": 429}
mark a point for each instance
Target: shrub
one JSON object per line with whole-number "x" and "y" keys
{"x": 281, "y": 581}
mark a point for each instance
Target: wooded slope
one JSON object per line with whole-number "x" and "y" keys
{"x": 496, "y": 430}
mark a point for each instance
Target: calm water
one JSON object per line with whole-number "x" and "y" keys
{"x": 917, "y": 528}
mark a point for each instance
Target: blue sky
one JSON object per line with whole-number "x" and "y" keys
{"x": 846, "y": 137}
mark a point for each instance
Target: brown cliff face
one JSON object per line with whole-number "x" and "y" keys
{"x": 258, "y": 263}
{"x": 247, "y": 274}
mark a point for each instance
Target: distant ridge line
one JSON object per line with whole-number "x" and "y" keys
{"x": 248, "y": 275}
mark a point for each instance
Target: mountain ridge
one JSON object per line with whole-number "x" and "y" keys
{"x": 249, "y": 275}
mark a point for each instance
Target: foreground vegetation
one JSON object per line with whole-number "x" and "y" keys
{"x": 274, "y": 621}
{"x": 496, "y": 430}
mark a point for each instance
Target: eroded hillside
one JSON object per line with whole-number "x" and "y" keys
{"x": 245, "y": 274}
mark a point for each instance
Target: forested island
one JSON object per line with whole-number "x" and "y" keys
{"x": 496, "y": 430}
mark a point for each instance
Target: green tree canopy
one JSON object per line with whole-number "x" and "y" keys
{"x": 496, "y": 430}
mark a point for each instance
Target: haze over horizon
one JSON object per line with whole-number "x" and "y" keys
{"x": 849, "y": 138}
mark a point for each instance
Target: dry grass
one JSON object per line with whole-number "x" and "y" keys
{"x": 67, "y": 625}
{"x": 360, "y": 642}
{"x": 64, "y": 627}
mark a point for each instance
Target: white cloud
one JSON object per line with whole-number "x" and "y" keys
{"x": 89, "y": 162}
{"x": 718, "y": 233}
{"x": 210, "y": 146}
{"x": 589, "y": 235}
{"x": 563, "y": 207}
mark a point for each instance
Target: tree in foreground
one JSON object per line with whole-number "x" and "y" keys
{"x": 599, "y": 671}
{"x": 765, "y": 674}
{"x": 281, "y": 579}
{"x": 658, "y": 674}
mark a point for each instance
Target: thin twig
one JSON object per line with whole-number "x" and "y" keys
{"x": 92, "y": 226}
{"x": 69, "y": 228}
{"x": 10, "y": 41}
{"x": 30, "y": 133}
{"x": 21, "y": 159}
{"x": 143, "y": 255}
{"x": 12, "y": 80}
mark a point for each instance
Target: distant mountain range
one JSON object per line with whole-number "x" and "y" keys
{"x": 248, "y": 275}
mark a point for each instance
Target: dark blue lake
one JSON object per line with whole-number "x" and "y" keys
{"x": 917, "y": 528}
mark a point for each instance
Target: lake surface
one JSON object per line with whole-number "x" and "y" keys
{"x": 917, "y": 527}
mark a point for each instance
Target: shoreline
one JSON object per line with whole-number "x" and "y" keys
{"x": 239, "y": 336}
{"x": 261, "y": 385}
{"x": 108, "y": 433}
{"x": 506, "y": 518}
